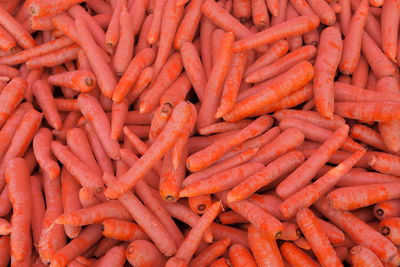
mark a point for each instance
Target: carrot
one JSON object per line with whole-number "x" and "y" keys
{"x": 138, "y": 14}
{"x": 264, "y": 248}
{"x": 220, "y": 167}
{"x": 317, "y": 238}
{"x": 11, "y": 96}
{"x": 290, "y": 231}
{"x": 87, "y": 198}
{"x": 221, "y": 262}
{"x": 281, "y": 16}
{"x": 159, "y": 120}
{"x": 305, "y": 197}
{"x": 241, "y": 256}
{"x": 282, "y": 64}
{"x": 380, "y": 64}
{"x": 70, "y": 200}
{"x": 192, "y": 240}
{"x": 231, "y": 217}
{"x": 221, "y": 127}
{"x": 190, "y": 21}
{"x": 389, "y": 23}
{"x": 168, "y": 74}
{"x": 122, "y": 230}
{"x": 93, "y": 112}
{"x": 154, "y": 31}
{"x": 118, "y": 118}
{"x": 40, "y": 9}
{"x": 297, "y": 26}
{"x": 5, "y": 202}
{"x": 114, "y": 257}
{"x": 143, "y": 252}
{"x": 5, "y": 250}
{"x": 362, "y": 256}
{"x": 258, "y": 217}
{"x": 7, "y": 42}
{"x": 389, "y": 228}
{"x": 38, "y": 208}
{"x": 295, "y": 256}
{"x": 260, "y": 14}
{"x": 170, "y": 21}
{"x": 124, "y": 50}
{"x": 367, "y": 136}
{"x": 12, "y": 26}
{"x": 354, "y": 197}
{"x": 216, "y": 14}
{"x": 42, "y": 150}
{"x": 79, "y": 80}
{"x": 17, "y": 177}
{"x": 211, "y": 253}
{"x": 274, "y": 90}
{"x": 303, "y": 174}
{"x": 221, "y": 181}
{"x": 88, "y": 237}
{"x": 387, "y": 209}
{"x": 210, "y": 154}
{"x": 352, "y": 42}
{"x": 113, "y": 30}
{"x": 345, "y": 92}
{"x": 94, "y": 214}
{"x": 105, "y": 78}
{"x": 43, "y": 94}
{"x": 177, "y": 91}
{"x": 277, "y": 50}
{"x": 198, "y": 204}
{"x": 100, "y": 7}
{"x": 282, "y": 165}
{"x": 104, "y": 245}
{"x": 176, "y": 262}
{"x": 54, "y": 58}
{"x": 360, "y": 75}
{"x": 85, "y": 176}
{"x": 335, "y": 235}
{"x": 52, "y": 237}
{"x": 383, "y": 111}
{"x": 351, "y": 225}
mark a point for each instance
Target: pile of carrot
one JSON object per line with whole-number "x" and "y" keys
{"x": 195, "y": 133}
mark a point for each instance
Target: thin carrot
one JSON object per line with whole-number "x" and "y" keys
{"x": 352, "y": 226}
{"x": 295, "y": 256}
{"x": 264, "y": 248}
{"x": 38, "y": 208}
{"x": 7, "y": 42}
{"x": 275, "y": 90}
{"x": 43, "y": 94}
{"x": 11, "y": 96}
{"x": 154, "y": 31}
{"x": 389, "y": 23}
{"x": 302, "y": 175}
{"x": 113, "y": 30}
{"x": 367, "y": 136}
{"x": 54, "y": 58}
{"x": 289, "y": 28}
{"x": 17, "y": 176}
{"x": 211, "y": 253}
{"x": 42, "y": 150}
{"x": 360, "y": 75}
{"x": 138, "y": 14}
{"x": 221, "y": 127}
{"x": 210, "y": 154}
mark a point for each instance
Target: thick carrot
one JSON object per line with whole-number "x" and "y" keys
{"x": 43, "y": 94}
{"x": 354, "y": 197}
{"x": 264, "y": 248}
{"x": 274, "y": 90}
{"x": 113, "y": 30}
{"x": 282, "y": 165}
{"x": 177, "y": 92}
{"x": 122, "y": 230}
{"x": 353, "y": 39}
{"x": 383, "y": 111}
{"x": 79, "y": 80}
{"x": 94, "y": 113}
{"x": 143, "y": 253}
{"x": 88, "y": 237}
{"x": 353, "y": 226}
{"x": 168, "y": 74}
{"x": 387, "y": 209}
{"x": 42, "y": 150}
{"x": 171, "y": 177}
{"x": 295, "y": 256}
{"x": 17, "y": 176}
{"x": 289, "y": 28}
{"x": 199, "y": 204}
{"x": 192, "y": 240}
{"x": 239, "y": 255}
{"x": 317, "y": 238}
{"x": 302, "y": 175}
{"x": 362, "y": 256}
{"x": 105, "y": 78}
{"x": 210, "y": 154}
{"x": 305, "y": 197}
{"x": 282, "y": 64}
{"x": 281, "y": 16}
{"x": 346, "y": 92}
{"x": 124, "y": 50}
{"x": 132, "y": 72}
{"x": 167, "y": 138}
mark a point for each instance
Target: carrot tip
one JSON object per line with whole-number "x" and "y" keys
{"x": 89, "y": 81}
{"x": 385, "y": 230}
{"x": 379, "y": 212}
{"x": 201, "y": 207}
{"x": 355, "y": 249}
{"x": 278, "y": 234}
{"x": 170, "y": 198}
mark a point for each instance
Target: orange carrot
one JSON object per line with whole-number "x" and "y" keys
{"x": 367, "y": 136}
{"x": 88, "y": 237}
{"x": 122, "y": 230}
{"x": 118, "y": 118}
{"x": 383, "y": 111}
{"x": 5, "y": 251}
{"x": 295, "y": 256}
{"x": 40, "y": 9}
{"x": 38, "y": 208}
{"x": 260, "y": 14}
{"x": 54, "y": 58}
{"x": 210, "y": 154}
{"x": 11, "y": 96}
{"x": 177, "y": 92}
{"x": 282, "y": 165}
{"x": 302, "y": 175}
{"x": 115, "y": 256}
{"x": 387, "y": 209}
{"x": 113, "y": 30}
{"x": 275, "y": 90}
{"x": 7, "y": 42}
{"x": 360, "y": 75}
{"x": 264, "y": 248}
{"x": 42, "y": 150}
{"x": 389, "y": 227}
{"x": 389, "y": 23}
{"x": 43, "y": 94}
{"x": 231, "y": 217}
{"x": 289, "y": 28}
{"x": 211, "y": 253}
{"x": 346, "y": 92}
{"x": 362, "y": 256}
{"x": 221, "y": 127}
{"x": 241, "y": 256}
{"x": 79, "y": 80}
{"x": 154, "y": 31}
{"x": 352, "y": 41}
{"x": 199, "y": 204}
{"x": 143, "y": 252}
{"x": 282, "y": 64}
{"x": 17, "y": 176}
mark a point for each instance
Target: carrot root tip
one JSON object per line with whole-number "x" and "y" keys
{"x": 380, "y": 212}
{"x": 385, "y": 230}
